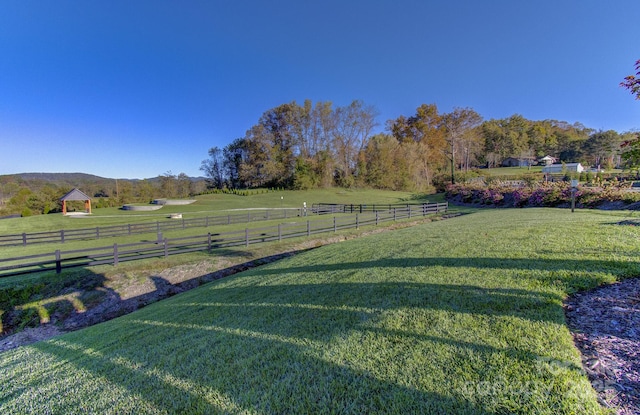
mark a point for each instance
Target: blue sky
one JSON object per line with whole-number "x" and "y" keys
{"x": 134, "y": 89}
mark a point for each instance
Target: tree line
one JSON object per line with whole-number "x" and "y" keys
{"x": 311, "y": 145}
{"x": 318, "y": 145}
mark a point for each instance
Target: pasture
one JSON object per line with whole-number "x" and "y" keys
{"x": 207, "y": 205}
{"x": 458, "y": 316}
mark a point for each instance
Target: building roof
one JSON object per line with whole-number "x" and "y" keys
{"x": 75, "y": 194}
{"x": 556, "y": 168}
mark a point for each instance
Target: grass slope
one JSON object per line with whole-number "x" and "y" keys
{"x": 460, "y": 316}
{"x": 209, "y": 205}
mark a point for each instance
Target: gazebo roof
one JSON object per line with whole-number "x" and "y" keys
{"x": 75, "y": 194}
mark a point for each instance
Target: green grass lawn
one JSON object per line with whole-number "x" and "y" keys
{"x": 209, "y": 205}
{"x": 462, "y": 316}
{"x": 510, "y": 171}
{"x": 217, "y": 205}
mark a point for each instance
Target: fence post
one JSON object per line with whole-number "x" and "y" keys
{"x": 279, "y": 232}
{"x": 58, "y": 262}
{"x": 394, "y": 214}
{"x": 209, "y": 241}
{"x": 115, "y": 255}
{"x": 246, "y": 236}
{"x": 62, "y": 235}
{"x": 357, "y": 220}
{"x": 335, "y": 229}
{"x": 166, "y": 247}
{"x": 409, "y": 209}
{"x": 376, "y": 218}
{"x": 129, "y": 228}
{"x": 308, "y": 228}
{"x": 24, "y": 239}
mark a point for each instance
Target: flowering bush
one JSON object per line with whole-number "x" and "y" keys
{"x": 539, "y": 195}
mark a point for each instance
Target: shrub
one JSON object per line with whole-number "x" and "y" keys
{"x": 542, "y": 195}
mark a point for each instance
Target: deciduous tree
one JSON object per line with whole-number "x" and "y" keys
{"x": 352, "y": 128}
{"x": 213, "y": 168}
{"x": 424, "y": 130}
{"x": 460, "y": 128}
{"x": 632, "y": 82}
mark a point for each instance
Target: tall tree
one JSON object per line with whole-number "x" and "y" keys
{"x": 272, "y": 147}
{"x": 425, "y": 130}
{"x": 460, "y": 128}
{"x": 235, "y": 155}
{"x": 352, "y": 128}
{"x": 381, "y": 161}
{"x": 213, "y": 168}
{"x": 168, "y": 184}
{"x": 313, "y": 128}
{"x": 602, "y": 148}
{"x": 183, "y": 185}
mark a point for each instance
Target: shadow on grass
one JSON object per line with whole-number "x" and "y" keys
{"x": 79, "y": 297}
{"x": 308, "y": 348}
{"x": 456, "y": 262}
{"x": 571, "y": 275}
{"x": 305, "y": 348}
{"x": 198, "y": 366}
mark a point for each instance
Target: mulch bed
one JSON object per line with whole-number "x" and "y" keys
{"x": 606, "y": 328}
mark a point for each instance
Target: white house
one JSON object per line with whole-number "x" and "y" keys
{"x": 547, "y": 160}
{"x": 561, "y": 168}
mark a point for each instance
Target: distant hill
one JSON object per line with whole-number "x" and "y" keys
{"x": 60, "y": 177}
{"x": 76, "y": 179}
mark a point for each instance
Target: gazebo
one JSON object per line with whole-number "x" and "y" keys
{"x": 76, "y": 194}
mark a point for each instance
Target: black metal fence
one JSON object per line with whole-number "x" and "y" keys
{"x": 117, "y": 253}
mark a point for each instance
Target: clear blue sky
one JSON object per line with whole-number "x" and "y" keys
{"x": 133, "y": 89}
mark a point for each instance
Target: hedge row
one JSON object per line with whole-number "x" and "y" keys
{"x": 556, "y": 194}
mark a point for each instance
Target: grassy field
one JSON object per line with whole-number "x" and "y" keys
{"x": 510, "y": 171}
{"x": 462, "y": 316}
{"x": 208, "y": 205}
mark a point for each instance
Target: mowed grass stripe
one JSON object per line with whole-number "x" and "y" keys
{"x": 457, "y": 316}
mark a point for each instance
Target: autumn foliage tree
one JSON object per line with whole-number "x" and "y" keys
{"x": 631, "y": 148}
{"x": 632, "y": 82}
{"x": 321, "y": 145}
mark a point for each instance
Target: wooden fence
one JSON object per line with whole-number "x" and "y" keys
{"x": 116, "y": 253}
{"x": 103, "y": 232}
{"x": 64, "y": 235}
{"x": 332, "y": 208}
